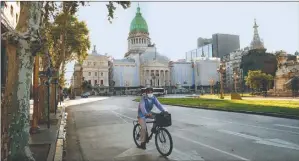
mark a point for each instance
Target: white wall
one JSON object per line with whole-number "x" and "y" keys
{"x": 181, "y": 72}
{"x": 10, "y": 13}
{"x": 125, "y": 73}
{"x": 206, "y": 70}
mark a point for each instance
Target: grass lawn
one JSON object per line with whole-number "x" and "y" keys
{"x": 268, "y": 106}
{"x": 226, "y": 96}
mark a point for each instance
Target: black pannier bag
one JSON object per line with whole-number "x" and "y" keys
{"x": 163, "y": 119}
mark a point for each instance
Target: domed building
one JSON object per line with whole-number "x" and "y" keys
{"x": 142, "y": 64}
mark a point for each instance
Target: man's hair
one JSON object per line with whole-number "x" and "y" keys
{"x": 149, "y": 89}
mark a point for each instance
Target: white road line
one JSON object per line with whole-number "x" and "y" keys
{"x": 120, "y": 117}
{"x": 294, "y": 127}
{"x": 202, "y": 144}
{"x": 292, "y": 132}
{"x": 271, "y": 142}
{"x": 124, "y": 115}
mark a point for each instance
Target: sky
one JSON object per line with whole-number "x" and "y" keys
{"x": 175, "y": 26}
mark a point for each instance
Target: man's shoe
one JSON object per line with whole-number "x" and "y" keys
{"x": 143, "y": 146}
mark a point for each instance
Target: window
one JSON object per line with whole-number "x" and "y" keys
{"x": 95, "y": 82}
{"x": 89, "y": 73}
{"x": 102, "y": 74}
{"x": 102, "y": 82}
{"x": 95, "y": 74}
{"x": 3, "y": 4}
{"x": 17, "y": 18}
{"x": 89, "y": 63}
{"x": 11, "y": 10}
{"x": 89, "y": 81}
{"x": 94, "y": 63}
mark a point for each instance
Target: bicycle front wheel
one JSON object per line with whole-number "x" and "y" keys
{"x": 136, "y": 134}
{"x": 163, "y": 141}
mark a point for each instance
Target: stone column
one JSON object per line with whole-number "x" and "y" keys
{"x": 159, "y": 78}
{"x": 164, "y": 80}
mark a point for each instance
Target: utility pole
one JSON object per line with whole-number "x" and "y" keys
{"x": 34, "y": 126}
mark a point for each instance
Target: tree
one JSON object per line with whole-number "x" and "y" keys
{"x": 294, "y": 85}
{"x": 259, "y": 60}
{"x": 17, "y": 92}
{"x": 28, "y": 42}
{"x": 86, "y": 86}
{"x": 258, "y": 80}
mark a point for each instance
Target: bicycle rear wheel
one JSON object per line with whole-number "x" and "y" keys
{"x": 163, "y": 136}
{"x": 136, "y": 134}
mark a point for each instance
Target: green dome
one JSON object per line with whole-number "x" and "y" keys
{"x": 138, "y": 24}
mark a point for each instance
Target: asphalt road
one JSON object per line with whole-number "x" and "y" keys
{"x": 102, "y": 130}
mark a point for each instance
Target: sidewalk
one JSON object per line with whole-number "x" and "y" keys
{"x": 40, "y": 143}
{"x": 47, "y": 145}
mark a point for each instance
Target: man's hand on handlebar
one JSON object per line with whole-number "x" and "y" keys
{"x": 149, "y": 115}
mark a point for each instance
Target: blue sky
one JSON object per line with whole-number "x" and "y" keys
{"x": 175, "y": 26}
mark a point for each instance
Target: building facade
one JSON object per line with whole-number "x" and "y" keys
{"x": 203, "y": 51}
{"x": 203, "y": 41}
{"x": 96, "y": 69}
{"x": 142, "y": 65}
{"x": 181, "y": 73}
{"x": 224, "y": 44}
{"x": 10, "y": 12}
{"x": 287, "y": 70}
{"x": 233, "y": 71}
{"x": 206, "y": 70}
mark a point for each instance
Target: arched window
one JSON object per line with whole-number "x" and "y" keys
{"x": 139, "y": 40}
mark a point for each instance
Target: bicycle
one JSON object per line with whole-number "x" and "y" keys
{"x": 161, "y": 120}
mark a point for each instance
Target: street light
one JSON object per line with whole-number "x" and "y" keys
{"x": 235, "y": 76}
{"x": 221, "y": 71}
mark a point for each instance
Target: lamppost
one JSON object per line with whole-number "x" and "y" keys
{"x": 235, "y": 76}
{"x": 55, "y": 81}
{"x": 221, "y": 71}
{"x": 211, "y": 85}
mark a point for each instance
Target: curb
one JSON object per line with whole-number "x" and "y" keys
{"x": 56, "y": 149}
{"x": 245, "y": 112}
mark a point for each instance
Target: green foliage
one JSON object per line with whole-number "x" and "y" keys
{"x": 77, "y": 41}
{"x": 258, "y": 80}
{"x": 86, "y": 86}
{"x": 259, "y": 60}
{"x": 111, "y": 8}
{"x": 294, "y": 84}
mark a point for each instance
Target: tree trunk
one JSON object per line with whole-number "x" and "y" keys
{"x": 19, "y": 110}
{"x": 17, "y": 92}
{"x": 43, "y": 93}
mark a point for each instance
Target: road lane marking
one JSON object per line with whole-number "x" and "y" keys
{"x": 271, "y": 142}
{"x": 120, "y": 117}
{"x": 294, "y": 127}
{"x": 208, "y": 146}
{"x": 292, "y": 132}
{"x": 124, "y": 115}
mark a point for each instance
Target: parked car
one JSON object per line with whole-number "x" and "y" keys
{"x": 85, "y": 95}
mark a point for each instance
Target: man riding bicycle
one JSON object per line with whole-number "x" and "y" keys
{"x": 146, "y": 104}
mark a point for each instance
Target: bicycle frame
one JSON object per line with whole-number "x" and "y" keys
{"x": 148, "y": 122}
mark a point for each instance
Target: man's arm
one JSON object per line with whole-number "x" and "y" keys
{"x": 158, "y": 105}
{"x": 142, "y": 106}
